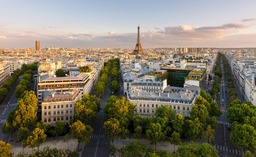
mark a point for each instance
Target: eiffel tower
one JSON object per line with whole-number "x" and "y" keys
{"x": 138, "y": 49}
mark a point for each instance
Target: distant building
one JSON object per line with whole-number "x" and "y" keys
{"x": 37, "y": 45}
{"x": 138, "y": 48}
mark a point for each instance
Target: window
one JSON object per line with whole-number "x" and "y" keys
{"x": 152, "y": 105}
{"x": 61, "y": 112}
{"x": 147, "y": 110}
{"x": 144, "y": 105}
{"x": 67, "y": 118}
{"x": 45, "y": 107}
{"x": 178, "y": 107}
{"x": 67, "y": 106}
{"x": 143, "y": 110}
{"x": 54, "y": 119}
{"x": 70, "y": 105}
{"x": 153, "y": 111}
{"x": 174, "y": 107}
{"x": 58, "y": 118}
{"x": 54, "y": 112}
{"x": 66, "y": 111}
{"x": 156, "y": 105}
{"x": 45, "y": 120}
{"x": 70, "y": 111}
{"x": 147, "y": 105}
{"x": 58, "y": 112}
{"x": 58, "y": 106}
{"x": 49, "y": 113}
{"x": 49, "y": 119}
{"x": 184, "y": 108}
{"x": 45, "y": 113}
{"x": 49, "y": 107}
{"x": 140, "y": 110}
{"x": 54, "y": 106}
{"x": 61, "y": 106}
{"x": 188, "y": 108}
{"x": 61, "y": 118}
{"x": 140, "y": 105}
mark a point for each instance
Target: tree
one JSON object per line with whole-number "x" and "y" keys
{"x": 155, "y": 133}
{"x": 244, "y": 137}
{"x": 138, "y": 131}
{"x": 215, "y": 111}
{"x": 197, "y": 150}
{"x": 85, "y": 69}
{"x": 194, "y": 128}
{"x": 114, "y": 86}
{"x": 3, "y": 93}
{"x": 99, "y": 88}
{"x": 199, "y": 111}
{"x": 59, "y": 127}
{"x": 178, "y": 123}
{"x": 60, "y": 73}
{"x": 175, "y": 139}
{"x": 212, "y": 121}
{"x": 165, "y": 111}
{"x": 36, "y": 138}
{"x": 5, "y": 149}
{"x": 23, "y": 134}
{"x": 26, "y": 112}
{"x": 112, "y": 128}
{"x": 9, "y": 127}
{"x": 81, "y": 132}
{"x": 134, "y": 149}
{"x": 42, "y": 126}
{"x": 83, "y": 113}
{"x": 248, "y": 154}
{"x": 209, "y": 134}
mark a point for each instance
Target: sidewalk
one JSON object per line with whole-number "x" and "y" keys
{"x": 58, "y": 142}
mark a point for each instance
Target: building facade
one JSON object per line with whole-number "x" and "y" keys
{"x": 5, "y": 72}
{"x": 147, "y": 94}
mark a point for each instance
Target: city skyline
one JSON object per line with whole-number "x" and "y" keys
{"x": 112, "y": 24}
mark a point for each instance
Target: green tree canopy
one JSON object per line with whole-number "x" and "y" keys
{"x": 60, "y": 73}
{"x": 81, "y": 132}
{"x": 5, "y": 149}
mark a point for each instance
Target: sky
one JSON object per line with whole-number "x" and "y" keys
{"x": 113, "y": 23}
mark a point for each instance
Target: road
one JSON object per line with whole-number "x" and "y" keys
{"x": 222, "y": 141}
{"x": 7, "y": 106}
{"x": 98, "y": 145}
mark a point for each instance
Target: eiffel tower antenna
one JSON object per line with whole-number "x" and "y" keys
{"x": 138, "y": 48}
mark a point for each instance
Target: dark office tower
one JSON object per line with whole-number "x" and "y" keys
{"x": 37, "y": 45}
{"x": 138, "y": 49}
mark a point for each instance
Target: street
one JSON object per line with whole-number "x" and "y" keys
{"x": 222, "y": 141}
{"x": 7, "y": 106}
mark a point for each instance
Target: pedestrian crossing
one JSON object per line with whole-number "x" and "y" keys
{"x": 223, "y": 122}
{"x": 226, "y": 149}
{"x": 94, "y": 136}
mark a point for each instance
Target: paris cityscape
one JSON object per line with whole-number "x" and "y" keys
{"x": 128, "y": 79}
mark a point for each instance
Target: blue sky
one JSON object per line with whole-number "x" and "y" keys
{"x": 112, "y": 23}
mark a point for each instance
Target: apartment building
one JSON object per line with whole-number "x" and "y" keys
{"x": 4, "y": 72}
{"x": 59, "y": 106}
{"x": 57, "y": 95}
{"x": 147, "y": 94}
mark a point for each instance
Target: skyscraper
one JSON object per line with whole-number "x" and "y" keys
{"x": 138, "y": 49}
{"x": 37, "y": 45}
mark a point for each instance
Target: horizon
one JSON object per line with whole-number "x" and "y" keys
{"x": 113, "y": 24}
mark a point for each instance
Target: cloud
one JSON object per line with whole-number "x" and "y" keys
{"x": 79, "y": 36}
{"x": 248, "y": 20}
{"x": 192, "y": 32}
{"x": 3, "y": 37}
